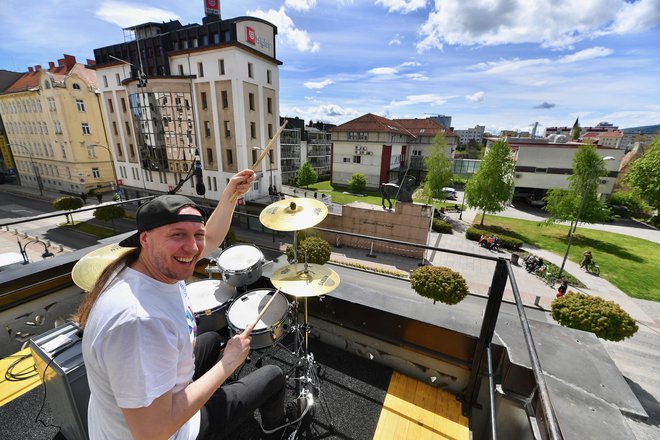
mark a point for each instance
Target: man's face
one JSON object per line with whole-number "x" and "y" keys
{"x": 170, "y": 252}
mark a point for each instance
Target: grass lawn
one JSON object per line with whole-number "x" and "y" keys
{"x": 90, "y": 229}
{"x": 630, "y": 263}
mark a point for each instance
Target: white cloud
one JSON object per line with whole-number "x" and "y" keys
{"x": 550, "y": 23}
{"x": 383, "y": 71}
{"x": 476, "y": 97}
{"x": 286, "y": 29}
{"x": 396, "y": 41}
{"x": 300, "y": 5}
{"x": 330, "y": 113}
{"x": 318, "y": 84}
{"x": 403, "y": 6}
{"x": 410, "y": 64}
{"x": 416, "y": 76}
{"x": 126, "y": 14}
{"x": 421, "y": 99}
{"x": 586, "y": 54}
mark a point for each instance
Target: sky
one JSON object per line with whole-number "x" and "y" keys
{"x": 505, "y": 64}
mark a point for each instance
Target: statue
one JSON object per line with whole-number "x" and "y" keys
{"x": 402, "y": 193}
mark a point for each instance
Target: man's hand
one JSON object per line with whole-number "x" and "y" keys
{"x": 237, "y": 350}
{"x": 241, "y": 182}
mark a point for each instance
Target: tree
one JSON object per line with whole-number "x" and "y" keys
{"x": 109, "y": 213}
{"x": 563, "y": 205}
{"x": 306, "y": 175}
{"x": 68, "y": 204}
{"x": 491, "y": 187}
{"x": 358, "y": 183}
{"x": 575, "y": 132}
{"x": 438, "y": 168}
{"x": 644, "y": 175}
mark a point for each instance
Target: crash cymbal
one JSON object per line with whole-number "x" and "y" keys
{"x": 293, "y": 214}
{"x": 88, "y": 269}
{"x": 298, "y": 280}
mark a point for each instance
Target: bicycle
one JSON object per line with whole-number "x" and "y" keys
{"x": 546, "y": 275}
{"x": 593, "y": 268}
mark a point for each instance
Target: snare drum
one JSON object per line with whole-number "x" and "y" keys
{"x": 272, "y": 327}
{"x": 209, "y": 300}
{"x": 241, "y": 264}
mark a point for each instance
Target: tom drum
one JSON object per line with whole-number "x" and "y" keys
{"x": 241, "y": 264}
{"x": 210, "y": 299}
{"x": 272, "y": 327}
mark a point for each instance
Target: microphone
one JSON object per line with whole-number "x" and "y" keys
{"x": 199, "y": 180}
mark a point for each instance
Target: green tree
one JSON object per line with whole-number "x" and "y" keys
{"x": 563, "y": 205}
{"x": 491, "y": 187}
{"x": 68, "y": 204}
{"x": 575, "y": 132}
{"x": 306, "y": 175}
{"x": 644, "y": 175}
{"x": 438, "y": 168}
{"x": 358, "y": 183}
{"x": 109, "y": 213}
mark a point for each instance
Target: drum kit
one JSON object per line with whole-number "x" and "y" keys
{"x": 227, "y": 302}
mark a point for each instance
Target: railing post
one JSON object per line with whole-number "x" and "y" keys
{"x": 486, "y": 335}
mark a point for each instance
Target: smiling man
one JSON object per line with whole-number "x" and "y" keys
{"x": 150, "y": 375}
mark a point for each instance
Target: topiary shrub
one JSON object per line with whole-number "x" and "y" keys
{"x": 316, "y": 249}
{"x": 593, "y": 314}
{"x": 357, "y": 183}
{"x": 439, "y": 283}
{"x": 441, "y": 226}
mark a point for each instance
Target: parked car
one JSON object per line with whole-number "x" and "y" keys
{"x": 450, "y": 193}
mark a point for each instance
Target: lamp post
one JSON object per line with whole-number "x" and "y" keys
{"x": 114, "y": 172}
{"x": 571, "y": 232}
{"x": 22, "y": 247}
{"x": 270, "y": 166}
{"x": 34, "y": 167}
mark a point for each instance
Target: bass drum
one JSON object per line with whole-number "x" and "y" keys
{"x": 209, "y": 300}
{"x": 241, "y": 264}
{"x": 272, "y": 327}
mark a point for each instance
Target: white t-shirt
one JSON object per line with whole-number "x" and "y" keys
{"x": 137, "y": 345}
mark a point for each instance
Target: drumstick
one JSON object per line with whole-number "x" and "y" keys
{"x": 263, "y": 154}
{"x": 265, "y": 308}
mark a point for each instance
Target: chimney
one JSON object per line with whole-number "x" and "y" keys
{"x": 69, "y": 61}
{"x": 60, "y": 62}
{"x": 91, "y": 62}
{"x": 30, "y": 69}
{"x": 51, "y": 65}
{"x": 37, "y": 67}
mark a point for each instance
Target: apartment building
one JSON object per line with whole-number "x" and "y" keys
{"x": 196, "y": 97}
{"x": 318, "y": 148}
{"x": 54, "y": 126}
{"x": 7, "y": 166}
{"x": 475, "y": 134}
{"x": 423, "y": 133}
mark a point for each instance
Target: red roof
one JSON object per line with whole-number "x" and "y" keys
{"x": 373, "y": 123}
{"x": 421, "y": 127}
{"x": 65, "y": 67}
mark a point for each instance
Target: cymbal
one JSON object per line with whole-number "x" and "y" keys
{"x": 88, "y": 269}
{"x": 293, "y": 214}
{"x": 316, "y": 280}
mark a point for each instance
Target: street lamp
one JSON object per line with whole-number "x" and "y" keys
{"x": 22, "y": 247}
{"x": 114, "y": 172}
{"x": 270, "y": 166}
{"x": 34, "y": 167}
{"x": 571, "y": 231}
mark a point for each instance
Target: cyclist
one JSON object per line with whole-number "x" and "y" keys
{"x": 586, "y": 260}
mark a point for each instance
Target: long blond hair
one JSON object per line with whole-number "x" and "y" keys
{"x": 81, "y": 315}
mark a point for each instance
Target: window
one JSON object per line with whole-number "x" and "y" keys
{"x": 96, "y": 173}
{"x": 128, "y": 128}
{"x": 76, "y": 86}
{"x": 270, "y": 131}
{"x": 180, "y": 69}
{"x": 85, "y": 128}
{"x": 269, "y": 78}
{"x": 200, "y": 67}
{"x": 118, "y": 79}
{"x": 225, "y": 99}
{"x": 105, "y": 81}
{"x": 204, "y": 104}
{"x": 110, "y": 106}
{"x": 131, "y": 150}
{"x": 227, "y": 129}
{"x": 347, "y": 160}
{"x": 253, "y": 130}
{"x": 47, "y": 84}
{"x": 250, "y": 70}
{"x": 63, "y": 151}
{"x": 356, "y": 159}
{"x": 120, "y": 152}
{"x": 80, "y": 104}
{"x": 251, "y": 101}
{"x": 209, "y": 156}
{"x": 269, "y": 105}
{"x": 221, "y": 67}
{"x": 254, "y": 156}
{"x": 91, "y": 151}
{"x": 207, "y": 128}
{"x": 123, "y": 105}
{"x": 114, "y": 128}
{"x": 230, "y": 157}
{"x": 215, "y": 184}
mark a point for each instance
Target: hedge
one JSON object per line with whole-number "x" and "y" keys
{"x": 441, "y": 226}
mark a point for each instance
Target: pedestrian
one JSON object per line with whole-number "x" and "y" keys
{"x": 99, "y": 197}
{"x": 563, "y": 287}
{"x": 150, "y": 374}
{"x": 83, "y": 196}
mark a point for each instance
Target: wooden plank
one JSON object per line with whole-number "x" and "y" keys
{"x": 417, "y": 411}
{"x": 11, "y": 389}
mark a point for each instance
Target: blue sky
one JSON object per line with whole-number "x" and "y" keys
{"x": 501, "y": 63}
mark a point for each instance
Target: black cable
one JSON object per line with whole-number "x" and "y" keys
{"x": 24, "y": 375}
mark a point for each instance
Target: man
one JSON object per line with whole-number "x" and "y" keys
{"x": 586, "y": 260}
{"x": 150, "y": 375}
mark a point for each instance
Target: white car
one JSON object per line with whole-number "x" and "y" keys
{"x": 450, "y": 193}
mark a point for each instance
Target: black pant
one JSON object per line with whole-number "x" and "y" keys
{"x": 233, "y": 403}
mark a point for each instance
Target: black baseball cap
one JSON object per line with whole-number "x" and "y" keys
{"x": 161, "y": 211}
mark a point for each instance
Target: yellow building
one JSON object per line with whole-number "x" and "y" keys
{"x": 54, "y": 124}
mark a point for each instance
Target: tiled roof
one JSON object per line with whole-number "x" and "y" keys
{"x": 66, "y": 67}
{"x": 373, "y": 123}
{"x": 421, "y": 127}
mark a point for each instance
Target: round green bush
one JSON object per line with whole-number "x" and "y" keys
{"x": 439, "y": 283}
{"x": 441, "y": 226}
{"x": 317, "y": 250}
{"x": 593, "y": 314}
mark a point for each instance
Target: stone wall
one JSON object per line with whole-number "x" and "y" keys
{"x": 407, "y": 222}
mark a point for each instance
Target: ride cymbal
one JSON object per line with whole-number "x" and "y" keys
{"x": 298, "y": 280}
{"x": 293, "y": 214}
{"x": 88, "y": 269}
